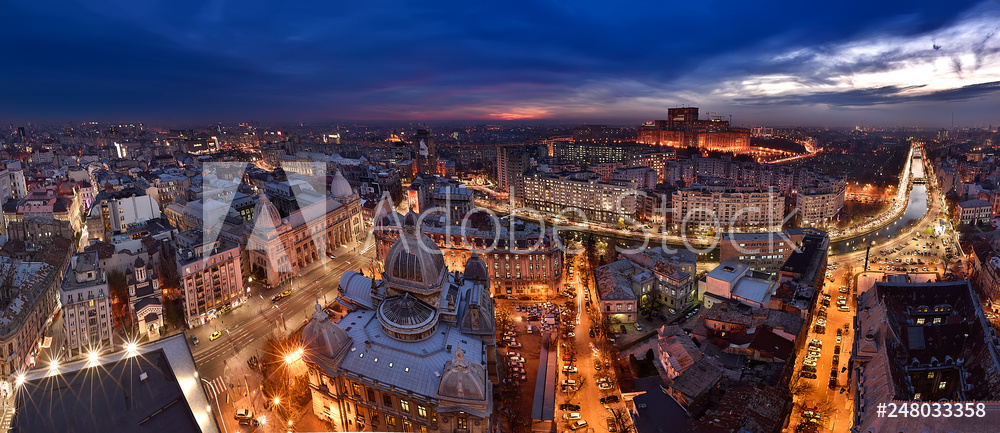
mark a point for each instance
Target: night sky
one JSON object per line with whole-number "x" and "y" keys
{"x": 776, "y": 63}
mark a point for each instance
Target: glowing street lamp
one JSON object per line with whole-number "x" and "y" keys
{"x": 92, "y": 357}
{"x": 131, "y": 349}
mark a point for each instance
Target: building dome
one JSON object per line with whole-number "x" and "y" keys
{"x": 340, "y": 187}
{"x": 462, "y": 379}
{"x": 322, "y": 337}
{"x": 266, "y": 216}
{"x": 411, "y": 219}
{"x": 139, "y": 263}
{"x": 416, "y": 262}
{"x": 476, "y": 270}
{"x": 405, "y": 317}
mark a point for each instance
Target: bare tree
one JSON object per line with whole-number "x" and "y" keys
{"x": 622, "y": 420}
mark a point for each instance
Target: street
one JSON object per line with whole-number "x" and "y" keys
{"x": 913, "y": 244}
{"x": 222, "y": 364}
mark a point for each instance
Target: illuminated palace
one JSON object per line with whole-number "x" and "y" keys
{"x": 683, "y": 129}
{"x": 522, "y": 259}
{"x": 280, "y": 247}
{"x": 415, "y": 351}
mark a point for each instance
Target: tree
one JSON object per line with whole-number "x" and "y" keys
{"x": 120, "y": 311}
{"x": 622, "y": 420}
{"x": 504, "y": 316}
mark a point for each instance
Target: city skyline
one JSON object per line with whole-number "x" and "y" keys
{"x": 920, "y": 64}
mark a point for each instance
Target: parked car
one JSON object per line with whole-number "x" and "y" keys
{"x": 807, "y": 375}
{"x": 572, "y": 415}
{"x": 215, "y": 336}
{"x": 243, "y": 414}
{"x": 578, "y": 425}
{"x": 194, "y": 340}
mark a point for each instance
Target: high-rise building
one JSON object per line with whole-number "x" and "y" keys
{"x": 86, "y": 306}
{"x": 512, "y": 162}
{"x": 423, "y": 151}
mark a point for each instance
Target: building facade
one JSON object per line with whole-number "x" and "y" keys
{"x": 735, "y": 207}
{"x": 279, "y": 247}
{"x": 210, "y": 274}
{"x": 580, "y": 195}
{"x": 521, "y": 259}
{"x": 413, "y": 354}
{"x": 86, "y": 306}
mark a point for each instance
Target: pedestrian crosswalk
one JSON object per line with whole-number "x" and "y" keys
{"x": 215, "y": 387}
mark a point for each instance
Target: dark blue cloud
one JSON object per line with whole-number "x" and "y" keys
{"x": 227, "y": 60}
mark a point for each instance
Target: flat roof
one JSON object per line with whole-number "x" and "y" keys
{"x": 115, "y": 396}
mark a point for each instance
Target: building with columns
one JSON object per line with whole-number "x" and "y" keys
{"x": 416, "y": 351}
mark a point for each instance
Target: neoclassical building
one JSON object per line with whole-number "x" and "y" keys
{"x": 414, "y": 353}
{"x": 521, "y": 259}
{"x": 280, "y": 247}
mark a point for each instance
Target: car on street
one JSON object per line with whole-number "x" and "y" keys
{"x": 215, "y": 336}
{"x": 809, "y": 362}
{"x": 838, "y": 339}
{"x": 836, "y": 350}
{"x": 194, "y": 340}
{"x": 286, "y": 293}
{"x": 277, "y": 297}
{"x": 612, "y": 427}
{"x": 243, "y": 414}
{"x": 569, "y": 369}
{"x": 807, "y": 375}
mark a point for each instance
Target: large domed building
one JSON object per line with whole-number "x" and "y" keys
{"x": 414, "y": 353}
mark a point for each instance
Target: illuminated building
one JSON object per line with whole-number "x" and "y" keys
{"x": 683, "y": 129}
{"x": 416, "y": 350}
{"x": 728, "y": 207}
{"x": 521, "y": 259}
{"x": 279, "y": 247}
{"x": 86, "y": 306}
{"x": 580, "y": 195}
{"x": 210, "y": 274}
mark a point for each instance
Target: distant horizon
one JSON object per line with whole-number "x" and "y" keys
{"x": 561, "y": 123}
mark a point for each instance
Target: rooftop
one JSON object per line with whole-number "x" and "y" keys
{"x": 155, "y": 391}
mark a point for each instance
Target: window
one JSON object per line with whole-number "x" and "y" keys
{"x": 386, "y": 400}
{"x": 463, "y": 423}
{"x": 619, "y": 306}
{"x": 390, "y": 420}
{"x": 930, "y": 375}
{"x": 943, "y": 384}
{"x": 404, "y": 405}
{"x": 407, "y": 426}
{"x": 422, "y": 411}
{"x": 374, "y": 414}
{"x": 371, "y": 395}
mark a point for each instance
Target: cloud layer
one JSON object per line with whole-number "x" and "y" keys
{"x": 765, "y": 62}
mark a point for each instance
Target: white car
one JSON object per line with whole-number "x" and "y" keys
{"x": 838, "y": 339}
{"x": 638, "y": 327}
{"x": 569, "y": 382}
{"x": 572, "y": 415}
{"x": 809, "y": 362}
{"x": 572, "y": 369}
{"x": 604, "y": 385}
